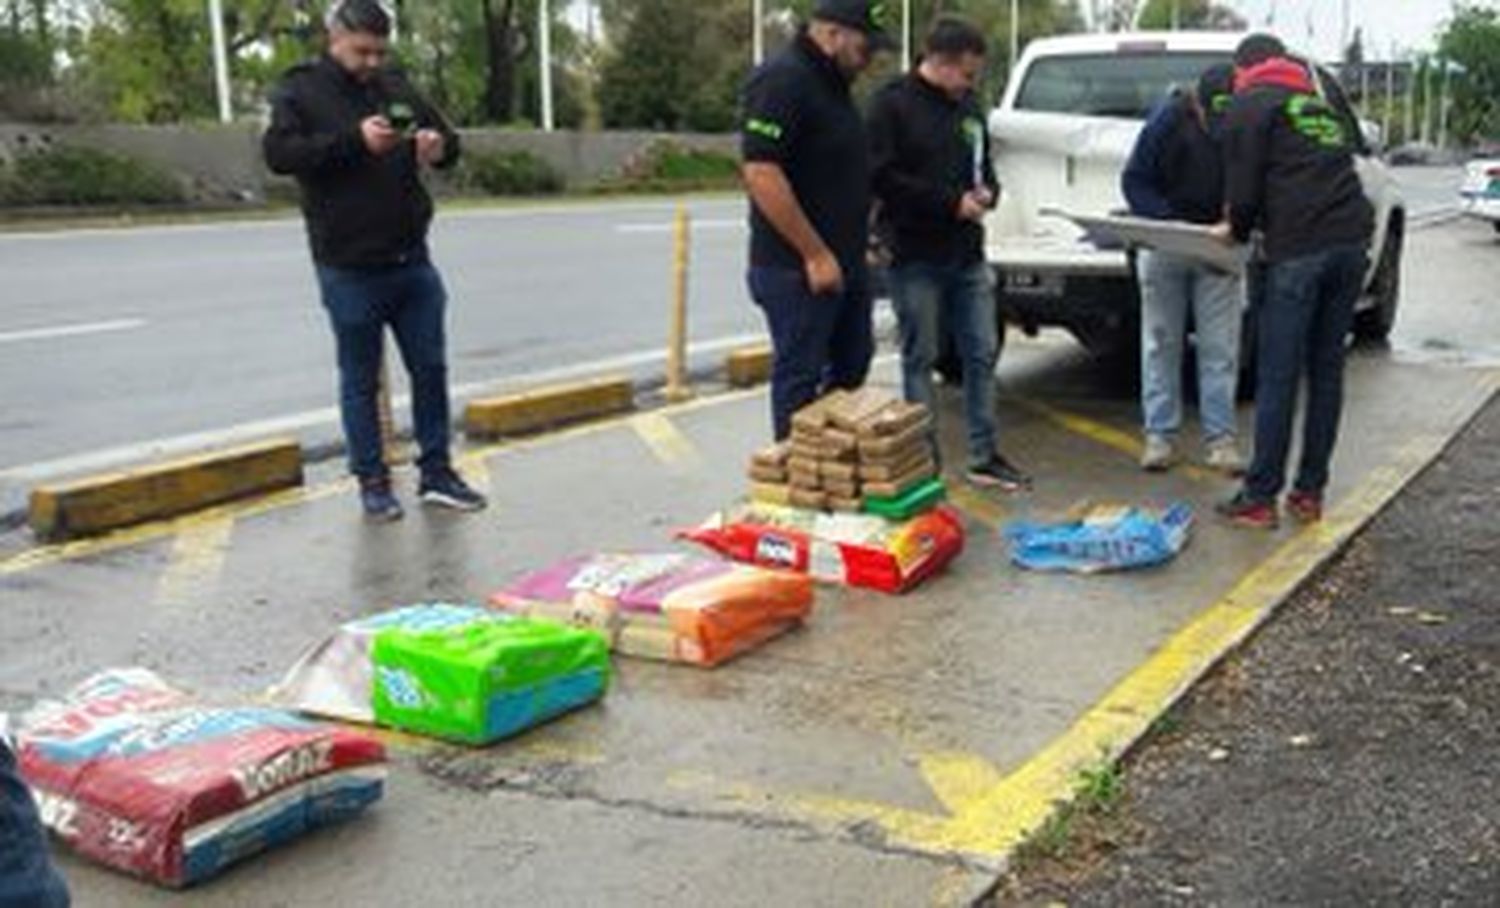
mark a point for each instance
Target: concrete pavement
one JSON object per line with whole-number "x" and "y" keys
{"x": 889, "y": 754}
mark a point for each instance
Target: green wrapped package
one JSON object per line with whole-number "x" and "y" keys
{"x": 470, "y": 675}
{"x": 920, "y": 498}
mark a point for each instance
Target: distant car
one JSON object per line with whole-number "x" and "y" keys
{"x": 1481, "y": 190}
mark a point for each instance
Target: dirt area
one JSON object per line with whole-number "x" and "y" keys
{"x": 1347, "y": 755}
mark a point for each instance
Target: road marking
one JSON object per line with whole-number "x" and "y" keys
{"x": 667, "y": 227}
{"x": 666, "y": 441}
{"x": 197, "y": 560}
{"x": 45, "y": 555}
{"x": 476, "y": 469}
{"x": 1109, "y": 436}
{"x": 79, "y": 330}
{"x": 113, "y": 458}
{"x": 976, "y": 505}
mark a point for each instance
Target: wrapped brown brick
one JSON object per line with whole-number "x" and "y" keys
{"x": 883, "y": 472}
{"x": 773, "y": 455}
{"x": 841, "y": 488}
{"x": 832, "y": 469}
{"x": 805, "y": 498}
{"x": 845, "y": 505}
{"x": 856, "y": 408}
{"x": 771, "y": 493}
{"x": 887, "y": 447}
{"x": 894, "y": 420}
{"x": 762, "y": 473}
{"x": 814, "y": 417}
{"x": 899, "y": 486}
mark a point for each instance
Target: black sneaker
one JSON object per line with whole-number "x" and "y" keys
{"x": 379, "y": 502}
{"x": 446, "y": 489}
{"x": 998, "y": 473}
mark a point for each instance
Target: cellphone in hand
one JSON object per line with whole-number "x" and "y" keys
{"x": 401, "y": 117}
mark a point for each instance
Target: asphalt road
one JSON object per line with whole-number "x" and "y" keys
{"x": 113, "y": 340}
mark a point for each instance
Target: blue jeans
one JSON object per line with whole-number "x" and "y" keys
{"x": 27, "y": 878}
{"x": 1171, "y": 286}
{"x": 1304, "y": 322}
{"x": 361, "y": 304}
{"x": 820, "y": 342}
{"x": 960, "y": 298}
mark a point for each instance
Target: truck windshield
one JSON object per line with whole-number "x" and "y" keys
{"x": 1110, "y": 85}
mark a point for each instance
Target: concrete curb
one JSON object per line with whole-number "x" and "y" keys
{"x": 110, "y": 501}
{"x": 544, "y": 408}
{"x": 748, "y": 366}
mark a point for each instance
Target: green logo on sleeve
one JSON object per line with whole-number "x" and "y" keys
{"x": 764, "y": 128}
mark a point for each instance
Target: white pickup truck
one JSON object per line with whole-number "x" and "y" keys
{"x": 1062, "y": 134}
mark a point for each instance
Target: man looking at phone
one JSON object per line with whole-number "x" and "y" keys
{"x": 932, "y": 174}
{"x": 356, "y": 134}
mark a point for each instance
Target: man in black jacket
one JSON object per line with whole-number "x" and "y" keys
{"x": 806, "y": 173}
{"x": 1290, "y": 164}
{"x": 355, "y": 134}
{"x": 934, "y": 181}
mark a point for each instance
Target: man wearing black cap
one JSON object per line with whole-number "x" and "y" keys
{"x": 1176, "y": 173}
{"x": 807, "y": 174}
{"x": 1291, "y": 175}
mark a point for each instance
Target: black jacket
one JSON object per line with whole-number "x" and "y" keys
{"x": 1290, "y": 164}
{"x": 799, "y": 115}
{"x": 1176, "y": 172}
{"x": 926, "y": 151}
{"x": 362, "y": 211}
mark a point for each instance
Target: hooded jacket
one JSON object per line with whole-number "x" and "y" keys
{"x": 1289, "y": 158}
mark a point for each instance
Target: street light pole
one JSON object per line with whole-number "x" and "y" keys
{"x": 544, "y": 35}
{"x": 905, "y": 35}
{"x": 1015, "y": 33}
{"x": 221, "y": 59}
{"x": 1444, "y": 100}
{"x": 758, "y": 31}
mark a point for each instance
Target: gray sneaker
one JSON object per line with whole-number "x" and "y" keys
{"x": 1224, "y": 456}
{"x": 1159, "y": 454}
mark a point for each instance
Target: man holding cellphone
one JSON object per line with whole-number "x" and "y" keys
{"x": 355, "y": 134}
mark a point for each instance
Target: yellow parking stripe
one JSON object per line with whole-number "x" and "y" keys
{"x": 197, "y": 560}
{"x": 976, "y": 505}
{"x": 1109, "y": 436}
{"x": 666, "y": 441}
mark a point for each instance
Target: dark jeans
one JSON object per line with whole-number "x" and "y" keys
{"x": 27, "y": 878}
{"x": 820, "y": 342}
{"x": 1305, "y": 317}
{"x": 410, "y": 300}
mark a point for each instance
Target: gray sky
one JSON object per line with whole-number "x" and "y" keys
{"x": 1411, "y": 24}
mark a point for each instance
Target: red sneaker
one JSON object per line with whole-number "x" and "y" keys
{"x": 1305, "y": 507}
{"x": 1244, "y": 511}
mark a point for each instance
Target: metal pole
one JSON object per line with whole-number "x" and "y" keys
{"x": 221, "y": 59}
{"x": 905, "y": 35}
{"x": 544, "y": 34}
{"x": 1409, "y": 116}
{"x": 1176, "y": 14}
{"x": 1390, "y": 99}
{"x": 1015, "y": 34}
{"x": 677, "y": 384}
{"x": 758, "y": 31}
{"x": 1445, "y": 99}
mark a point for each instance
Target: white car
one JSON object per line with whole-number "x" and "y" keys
{"x": 1481, "y": 191}
{"x": 1063, "y": 133}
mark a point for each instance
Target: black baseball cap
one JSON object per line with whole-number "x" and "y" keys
{"x": 868, "y": 16}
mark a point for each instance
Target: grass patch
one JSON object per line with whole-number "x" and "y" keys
{"x": 508, "y": 173}
{"x": 70, "y": 175}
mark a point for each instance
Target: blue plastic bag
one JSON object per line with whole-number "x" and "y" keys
{"x": 1111, "y": 538}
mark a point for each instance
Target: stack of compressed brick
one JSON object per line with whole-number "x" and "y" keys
{"x": 847, "y": 448}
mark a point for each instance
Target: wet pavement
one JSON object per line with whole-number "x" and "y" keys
{"x": 868, "y": 759}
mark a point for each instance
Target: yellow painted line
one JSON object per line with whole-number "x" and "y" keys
{"x": 748, "y": 365}
{"x": 45, "y": 555}
{"x": 197, "y": 560}
{"x": 475, "y": 468}
{"x": 1108, "y": 436}
{"x": 666, "y": 441}
{"x": 540, "y": 408}
{"x": 976, "y": 505}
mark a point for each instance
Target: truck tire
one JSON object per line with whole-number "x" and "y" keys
{"x": 1374, "y": 325}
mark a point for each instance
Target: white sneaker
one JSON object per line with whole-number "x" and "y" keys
{"x": 1159, "y": 454}
{"x": 1224, "y": 456}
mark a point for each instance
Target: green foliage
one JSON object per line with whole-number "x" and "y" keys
{"x": 1191, "y": 14}
{"x": 65, "y": 175}
{"x": 670, "y": 167}
{"x": 509, "y": 173}
{"x": 1472, "y": 40}
{"x": 677, "y": 66}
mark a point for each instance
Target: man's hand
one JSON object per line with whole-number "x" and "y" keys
{"x": 824, "y": 274}
{"x": 972, "y": 207}
{"x": 430, "y": 147}
{"x": 380, "y": 138}
{"x": 1222, "y": 232}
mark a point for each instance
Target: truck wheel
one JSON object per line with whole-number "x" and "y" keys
{"x": 1374, "y": 324}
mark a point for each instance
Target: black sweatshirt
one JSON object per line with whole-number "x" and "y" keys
{"x": 362, "y": 211}
{"x": 1289, "y": 158}
{"x": 926, "y": 151}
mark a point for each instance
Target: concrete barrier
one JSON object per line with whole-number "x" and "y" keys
{"x": 98, "y": 504}
{"x": 748, "y": 366}
{"x": 548, "y": 407}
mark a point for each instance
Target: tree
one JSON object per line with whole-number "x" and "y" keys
{"x": 1190, "y": 14}
{"x": 677, "y": 65}
{"x": 1472, "y": 40}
